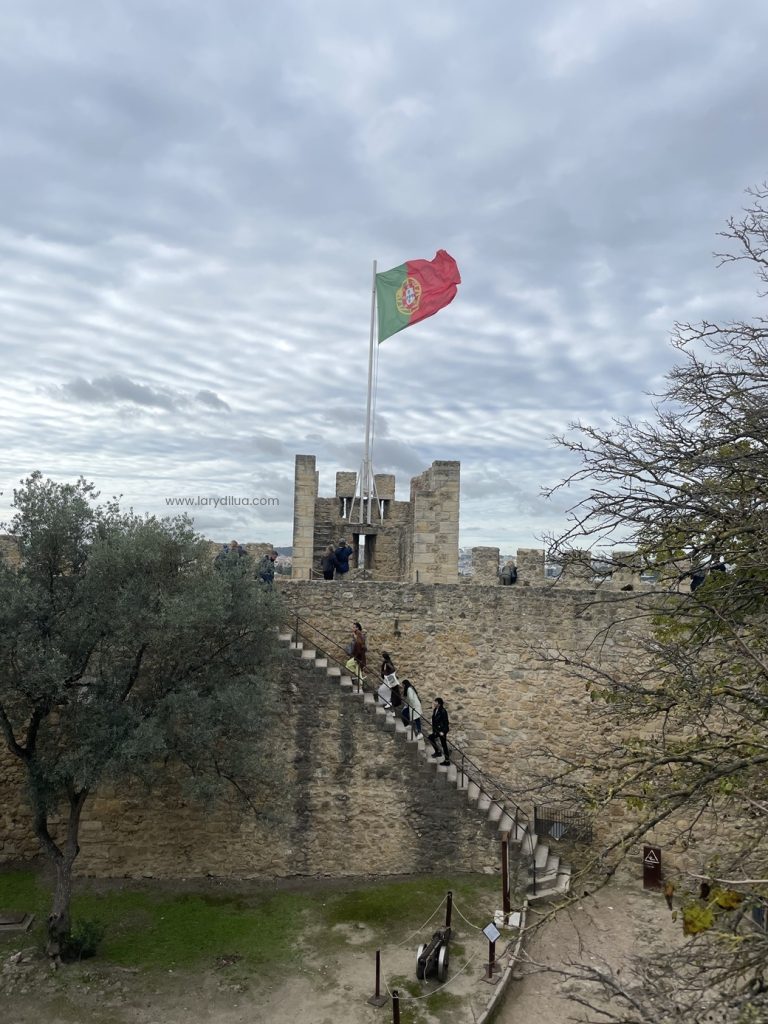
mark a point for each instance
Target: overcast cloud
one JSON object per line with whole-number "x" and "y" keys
{"x": 193, "y": 195}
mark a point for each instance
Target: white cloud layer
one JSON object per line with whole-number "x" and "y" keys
{"x": 193, "y": 195}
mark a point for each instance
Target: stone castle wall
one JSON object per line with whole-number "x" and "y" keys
{"x": 347, "y": 800}
{"x": 480, "y": 647}
{"x": 350, "y": 801}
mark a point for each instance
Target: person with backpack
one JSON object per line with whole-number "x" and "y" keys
{"x": 266, "y": 570}
{"x": 509, "y": 574}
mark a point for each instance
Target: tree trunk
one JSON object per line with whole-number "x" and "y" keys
{"x": 60, "y": 919}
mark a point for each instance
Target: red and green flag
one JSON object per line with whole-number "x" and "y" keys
{"x": 414, "y": 291}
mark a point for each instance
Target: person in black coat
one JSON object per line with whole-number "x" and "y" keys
{"x": 440, "y": 727}
{"x": 328, "y": 563}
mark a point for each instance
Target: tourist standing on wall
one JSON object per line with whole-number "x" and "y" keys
{"x": 411, "y": 706}
{"x": 267, "y": 568}
{"x": 328, "y": 563}
{"x": 342, "y": 553}
{"x": 440, "y": 727}
{"x": 509, "y": 574}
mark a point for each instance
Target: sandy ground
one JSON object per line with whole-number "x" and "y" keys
{"x": 609, "y": 927}
{"x": 330, "y": 982}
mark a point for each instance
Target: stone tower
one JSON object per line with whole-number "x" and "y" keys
{"x": 407, "y": 541}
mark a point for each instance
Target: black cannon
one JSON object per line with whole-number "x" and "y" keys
{"x": 432, "y": 956}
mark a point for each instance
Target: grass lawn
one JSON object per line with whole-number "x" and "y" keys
{"x": 151, "y": 927}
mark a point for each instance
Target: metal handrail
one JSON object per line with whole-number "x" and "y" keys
{"x": 474, "y": 773}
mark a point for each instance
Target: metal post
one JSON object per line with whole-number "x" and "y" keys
{"x": 491, "y": 959}
{"x": 448, "y": 909}
{"x": 377, "y": 999}
{"x": 395, "y": 1007}
{"x": 505, "y": 878}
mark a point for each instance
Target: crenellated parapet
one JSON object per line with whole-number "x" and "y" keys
{"x": 405, "y": 541}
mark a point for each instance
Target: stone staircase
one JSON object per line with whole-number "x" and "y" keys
{"x": 552, "y": 877}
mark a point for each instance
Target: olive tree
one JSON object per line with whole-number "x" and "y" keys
{"x": 125, "y": 653}
{"x": 683, "y": 737}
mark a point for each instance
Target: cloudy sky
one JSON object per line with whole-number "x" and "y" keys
{"x": 193, "y": 195}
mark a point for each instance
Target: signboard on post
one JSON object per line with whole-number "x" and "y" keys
{"x": 651, "y": 867}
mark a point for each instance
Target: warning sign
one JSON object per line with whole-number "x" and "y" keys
{"x": 651, "y": 867}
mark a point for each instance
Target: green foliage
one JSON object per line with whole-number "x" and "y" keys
{"x": 84, "y": 939}
{"x": 125, "y": 654}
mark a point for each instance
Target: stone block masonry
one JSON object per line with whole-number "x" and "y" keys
{"x": 415, "y": 540}
{"x": 346, "y": 800}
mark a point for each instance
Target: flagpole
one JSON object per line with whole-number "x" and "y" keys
{"x": 366, "y": 490}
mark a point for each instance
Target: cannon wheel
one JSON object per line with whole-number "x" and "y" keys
{"x": 420, "y": 966}
{"x": 442, "y": 964}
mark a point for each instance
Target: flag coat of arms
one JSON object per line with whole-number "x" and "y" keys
{"x": 413, "y": 291}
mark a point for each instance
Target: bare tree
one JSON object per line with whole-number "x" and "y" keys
{"x": 683, "y": 742}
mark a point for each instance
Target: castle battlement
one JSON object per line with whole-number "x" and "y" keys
{"x": 414, "y": 541}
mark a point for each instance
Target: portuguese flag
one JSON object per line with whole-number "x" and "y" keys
{"x": 414, "y": 291}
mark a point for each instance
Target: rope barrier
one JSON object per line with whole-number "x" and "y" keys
{"x": 477, "y": 927}
{"x": 399, "y": 945}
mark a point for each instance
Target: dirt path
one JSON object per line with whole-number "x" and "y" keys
{"x": 609, "y": 927}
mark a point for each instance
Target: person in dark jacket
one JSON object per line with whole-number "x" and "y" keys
{"x": 328, "y": 563}
{"x": 267, "y": 568}
{"x": 440, "y": 727}
{"x": 342, "y": 554}
{"x": 396, "y": 700}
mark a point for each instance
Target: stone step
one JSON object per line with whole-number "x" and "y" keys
{"x": 540, "y": 856}
{"x": 495, "y": 811}
{"x": 558, "y": 886}
{"x": 528, "y": 843}
{"x": 552, "y": 877}
{"x": 546, "y": 875}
